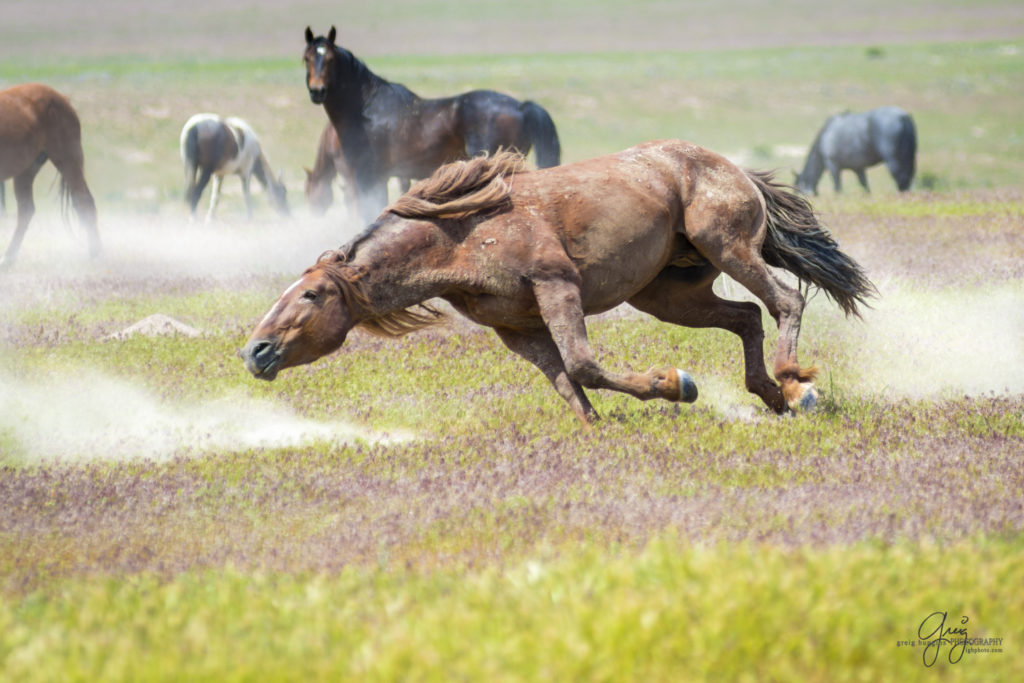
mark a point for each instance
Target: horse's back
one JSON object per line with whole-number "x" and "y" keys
{"x": 622, "y": 218}
{"x": 35, "y": 119}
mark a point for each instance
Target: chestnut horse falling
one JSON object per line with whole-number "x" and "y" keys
{"x": 38, "y": 124}
{"x": 531, "y": 253}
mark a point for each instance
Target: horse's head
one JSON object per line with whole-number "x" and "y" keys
{"x": 310, "y": 320}
{"x": 279, "y": 194}
{"x": 804, "y": 184}
{"x": 318, "y": 193}
{"x": 319, "y": 58}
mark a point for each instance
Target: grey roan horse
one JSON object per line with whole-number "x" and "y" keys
{"x": 858, "y": 141}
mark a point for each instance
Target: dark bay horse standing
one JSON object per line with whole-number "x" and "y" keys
{"x": 858, "y": 141}
{"x": 216, "y": 147}
{"x": 532, "y": 255}
{"x": 37, "y": 124}
{"x": 387, "y": 130}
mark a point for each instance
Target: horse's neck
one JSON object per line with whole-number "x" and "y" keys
{"x": 815, "y": 164}
{"x": 399, "y": 258}
{"x": 264, "y": 174}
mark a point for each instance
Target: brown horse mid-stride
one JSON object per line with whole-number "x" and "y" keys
{"x": 531, "y": 253}
{"x": 38, "y": 123}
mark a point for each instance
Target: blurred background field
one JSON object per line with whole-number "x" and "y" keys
{"x": 426, "y": 508}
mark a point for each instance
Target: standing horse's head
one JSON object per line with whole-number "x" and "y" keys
{"x": 310, "y": 320}
{"x": 319, "y": 59}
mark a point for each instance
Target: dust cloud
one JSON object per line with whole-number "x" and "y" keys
{"x": 918, "y": 343}
{"x": 89, "y": 416}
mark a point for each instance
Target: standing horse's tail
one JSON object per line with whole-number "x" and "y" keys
{"x": 543, "y": 134}
{"x": 906, "y": 153}
{"x": 190, "y": 156}
{"x": 797, "y": 242}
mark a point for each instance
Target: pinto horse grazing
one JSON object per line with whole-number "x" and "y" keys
{"x": 330, "y": 162}
{"x": 386, "y": 130}
{"x": 531, "y": 253}
{"x": 858, "y": 141}
{"x": 212, "y": 146}
{"x": 37, "y": 124}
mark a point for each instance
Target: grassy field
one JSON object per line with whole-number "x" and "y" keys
{"x": 427, "y": 508}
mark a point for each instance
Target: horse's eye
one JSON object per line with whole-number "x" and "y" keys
{"x": 309, "y": 295}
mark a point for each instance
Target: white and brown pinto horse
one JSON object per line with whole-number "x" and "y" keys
{"x": 38, "y": 124}
{"x": 212, "y": 147}
{"x": 532, "y": 253}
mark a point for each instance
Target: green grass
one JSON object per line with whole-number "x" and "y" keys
{"x": 674, "y": 610}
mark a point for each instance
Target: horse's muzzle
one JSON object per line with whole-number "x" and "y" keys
{"x": 261, "y": 359}
{"x": 317, "y": 95}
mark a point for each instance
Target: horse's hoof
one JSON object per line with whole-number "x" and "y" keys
{"x": 687, "y": 387}
{"x": 807, "y": 399}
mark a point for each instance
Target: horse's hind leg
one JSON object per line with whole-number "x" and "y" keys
{"x": 561, "y": 308}
{"x": 739, "y": 256}
{"x": 539, "y": 348}
{"x": 862, "y": 176}
{"x": 26, "y": 208}
{"x": 684, "y": 296}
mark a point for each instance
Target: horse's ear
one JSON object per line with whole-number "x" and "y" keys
{"x": 309, "y": 35}
{"x": 331, "y": 35}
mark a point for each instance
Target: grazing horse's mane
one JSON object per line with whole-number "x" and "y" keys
{"x": 462, "y": 188}
{"x": 348, "y": 278}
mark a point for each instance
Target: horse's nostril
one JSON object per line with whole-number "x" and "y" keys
{"x": 259, "y": 348}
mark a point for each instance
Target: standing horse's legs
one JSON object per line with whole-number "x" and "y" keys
{"x": 248, "y": 197}
{"x": 684, "y": 296}
{"x": 196, "y": 191}
{"x": 862, "y": 176}
{"x": 214, "y": 196}
{"x": 562, "y": 311}
{"x": 835, "y": 171}
{"x": 26, "y": 208}
{"x": 538, "y": 348}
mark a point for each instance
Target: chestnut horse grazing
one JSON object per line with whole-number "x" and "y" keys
{"x": 330, "y": 162}
{"x": 37, "y": 124}
{"x": 386, "y": 130}
{"x": 216, "y": 147}
{"x": 530, "y": 253}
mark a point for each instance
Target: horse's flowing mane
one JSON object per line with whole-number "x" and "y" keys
{"x": 462, "y": 188}
{"x": 348, "y": 279}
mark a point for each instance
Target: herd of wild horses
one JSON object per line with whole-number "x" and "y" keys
{"x": 528, "y": 253}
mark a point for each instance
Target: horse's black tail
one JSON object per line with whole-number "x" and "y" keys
{"x": 797, "y": 242}
{"x": 543, "y": 134}
{"x": 906, "y": 153}
{"x": 190, "y": 156}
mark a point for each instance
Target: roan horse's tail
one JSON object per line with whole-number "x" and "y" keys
{"x": 543, "y": 134}
{"x": 797, "y": 242}
{"x": 906, "y": 153}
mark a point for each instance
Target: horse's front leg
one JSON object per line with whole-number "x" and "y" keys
{"x": 837, "y": 182}
{"x": 248, "y": 197}
{"x": 214, "y": 196}
{"x": 539, "y": 348}
{"x": 562, "y": 310}
{"x": 862, "y": 176}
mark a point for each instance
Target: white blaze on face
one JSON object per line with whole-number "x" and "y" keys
{"x": 321, "y": 50}
{"x": 276, "y": 308}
